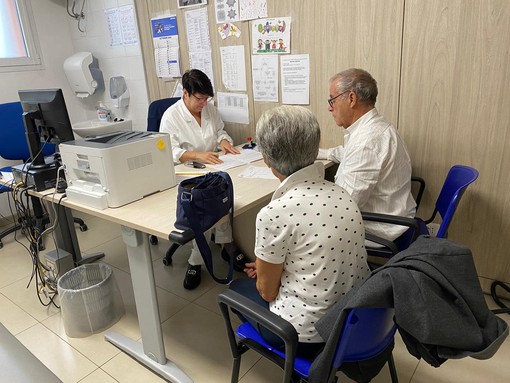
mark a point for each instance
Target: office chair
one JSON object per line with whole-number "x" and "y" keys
{"x": 14, "y": 147}
{"x": 155, "y": 112}
{"x": 458, "y": 179}
{"x": 359, "y": 334}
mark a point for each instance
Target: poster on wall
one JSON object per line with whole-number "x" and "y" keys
{"x": 166, "y": 46}
{"x": 271, "y": 36}
{"x": 199, "y": 42}
{"x": 190, "y": 3}
{"x": 236, "y": 10}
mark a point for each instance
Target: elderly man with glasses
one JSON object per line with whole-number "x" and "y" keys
{"x": 375, "y": 167}
{"x": 196, "y": 133}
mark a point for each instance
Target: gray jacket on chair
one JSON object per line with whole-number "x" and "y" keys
{"x": 440, "y": 308}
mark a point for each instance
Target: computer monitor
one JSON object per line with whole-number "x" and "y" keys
{"x": 46, "y": 121}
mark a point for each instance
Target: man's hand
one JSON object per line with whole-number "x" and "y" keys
{"x": 251, "y": 270}
{"x": 227, "y": 147}
{"x": 208, "y": 158}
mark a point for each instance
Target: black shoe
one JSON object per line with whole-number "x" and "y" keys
{"x": 193, "y": 277}
{"x": 239, "y": 259}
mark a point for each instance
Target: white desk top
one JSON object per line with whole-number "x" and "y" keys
{"x": 155, "y": 214}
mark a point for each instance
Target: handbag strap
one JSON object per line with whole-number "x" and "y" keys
{"x": 203, "y": 246}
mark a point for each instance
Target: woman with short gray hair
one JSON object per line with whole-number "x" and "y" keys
{"x": 309, "y": 239}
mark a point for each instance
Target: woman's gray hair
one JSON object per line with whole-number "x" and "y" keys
{"x": 359, "y": 81}
{"x": 288, "y": 136}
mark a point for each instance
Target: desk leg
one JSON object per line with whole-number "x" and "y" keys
{"x": 151, "y": 352}
{"x": 66, "y": 237}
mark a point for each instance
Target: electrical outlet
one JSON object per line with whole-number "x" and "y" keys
{"x": 59, "y": 261}
{"x": 433, "y": 229}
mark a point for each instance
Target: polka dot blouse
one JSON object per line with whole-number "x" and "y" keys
{"x": 314, "y": 228}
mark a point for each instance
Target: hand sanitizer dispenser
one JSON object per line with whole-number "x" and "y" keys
{"x": 119, "y": 92}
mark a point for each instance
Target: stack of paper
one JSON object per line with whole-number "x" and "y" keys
{"x": 234, "y": 160}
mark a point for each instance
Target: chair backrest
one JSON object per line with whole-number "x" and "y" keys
{"x": 13, "y": 142}
{"x": 366, "y": 333}
{"x": 156, "y": 110}
{"x": 458, "y": 179}
{"x": 362, "y": 335}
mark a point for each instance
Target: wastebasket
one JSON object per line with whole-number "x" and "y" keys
{"x": 90, "y": 299}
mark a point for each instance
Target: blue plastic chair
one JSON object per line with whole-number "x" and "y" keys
{"x": 14, "y": 147}
{"x": 156, "y": 110}
{"x": 358, "y": 335}
{"x": 458, "y": 179}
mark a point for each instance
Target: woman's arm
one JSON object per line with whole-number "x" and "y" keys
{"x": 268, "y": 279}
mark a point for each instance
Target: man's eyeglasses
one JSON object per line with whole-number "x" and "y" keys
{"x": 202, "y": 99}
{"x": 331, "y": 101}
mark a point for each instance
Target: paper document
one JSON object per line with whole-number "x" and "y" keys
{"x": 234, "y": 160}
{"x": 258, "y": 172}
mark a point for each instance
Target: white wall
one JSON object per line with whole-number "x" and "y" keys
{"x": 59, "y": 38}
{"x": 123, "y": 60}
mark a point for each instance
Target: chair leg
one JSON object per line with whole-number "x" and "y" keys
{"x": 169, "y": 253}
{"x": 393, "y": 370}
{"x": 235, "y": 369}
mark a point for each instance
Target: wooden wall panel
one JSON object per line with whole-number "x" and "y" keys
{"x": 337, "y": 34}
{"x": 454, "y": 109}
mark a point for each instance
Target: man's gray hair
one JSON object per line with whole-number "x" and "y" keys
{"x": 288, "y": 136}
{"x": 359, "y": 81}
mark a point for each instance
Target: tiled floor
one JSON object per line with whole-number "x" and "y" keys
{"x": 193, "y": 329}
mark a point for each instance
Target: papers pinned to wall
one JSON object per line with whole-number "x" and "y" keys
{"x": 165, "y": 37}
{"x": 236, "y": 10}
{"x": 264, "y": 73}
{"x": 199, "y": 42}
{"x": 295, "y": 79}
{"x": 271, "y": 36}
{"x": 233, "y": 69}
{"x": 233, "y": 107}
{"x": 121, "y": 24}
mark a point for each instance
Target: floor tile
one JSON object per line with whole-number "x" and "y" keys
{"x": 13, "y": 317}
{"x": 125, "y": 369}
{"x": 196, "y": 340}
{"x": 64, "y": 361}
{"x": 98, "y": 376}
{"x": 468, "y": 370}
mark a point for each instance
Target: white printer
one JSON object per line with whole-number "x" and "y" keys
{"x": 115, "y": 169}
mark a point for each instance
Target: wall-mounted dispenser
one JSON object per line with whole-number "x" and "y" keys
{"x": 83, "y": 74}
{"x": 119, "y": 92}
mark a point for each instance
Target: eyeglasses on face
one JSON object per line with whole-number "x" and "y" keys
{"x": 202, "y": 99}
{"x": 331, "y": 101}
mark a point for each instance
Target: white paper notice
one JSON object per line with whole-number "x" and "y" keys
{"x": 233, "y": 70}
{"x": 128, "y": 26}
{"x": 257, "y": 172}
{"x": 226, "y": 10}
{"x": 199, "y": 43}
{"x": 197, "y": 30}
{"x": 122, "y": 25}
{"x": 295, "y": 79}
{"x": 233, "y": 107}
{"x": 265, "y": 77}
{"x": 252, "y": 9}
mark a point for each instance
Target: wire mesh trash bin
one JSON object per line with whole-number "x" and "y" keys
{"x": 90, "y": 299}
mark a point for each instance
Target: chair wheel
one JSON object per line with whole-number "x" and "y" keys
{"x": 83, "y": 227}
{"x": 167, "y": 261}
{"x": 153, "y": 240}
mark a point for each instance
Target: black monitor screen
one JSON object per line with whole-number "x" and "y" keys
{"x": 46, "y": 119}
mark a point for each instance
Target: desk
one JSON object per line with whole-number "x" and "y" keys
{"x": 155, "y": 215}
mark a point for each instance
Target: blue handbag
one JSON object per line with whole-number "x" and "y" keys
{"x": 201, "y": 202}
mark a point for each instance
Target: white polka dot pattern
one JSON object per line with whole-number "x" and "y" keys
{"x": 315, "y": 228}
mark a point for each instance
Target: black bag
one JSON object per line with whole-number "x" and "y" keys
{"x": 201, "y": 202}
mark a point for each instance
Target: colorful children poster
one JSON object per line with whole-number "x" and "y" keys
{"x": 271, "y": 36}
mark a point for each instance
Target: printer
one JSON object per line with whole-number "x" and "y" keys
{"x": 115, "y": 169}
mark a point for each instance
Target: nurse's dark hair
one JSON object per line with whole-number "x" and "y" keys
{"x": 196, "y": 81}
